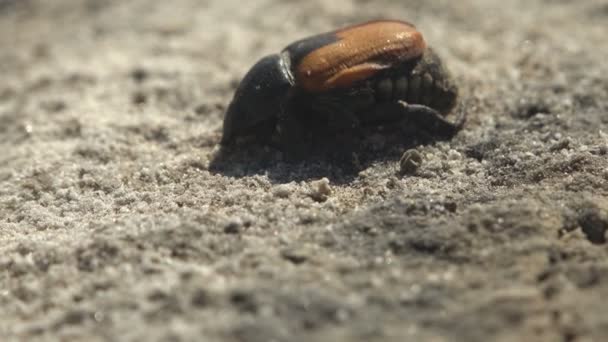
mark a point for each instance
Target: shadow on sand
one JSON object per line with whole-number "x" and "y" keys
{"x": 339, "y": 161}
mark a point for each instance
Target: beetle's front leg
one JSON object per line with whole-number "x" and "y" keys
{"x": 424, "y": 117}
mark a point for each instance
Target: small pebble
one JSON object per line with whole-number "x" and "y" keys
{"x": 139, "y": 74}
{"x": 294, "y": 255}
{"x": 454, "y": 155}
{"x": 138, "y": 98}
{"x": 321, "y": 190}
{"x": 233, "y": 227}
{"x": 283, "y": 190}
{"x": 410, "y": 161}
{"x": 450, "y": 206}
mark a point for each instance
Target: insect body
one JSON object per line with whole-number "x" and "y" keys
{"x": 366, "y": 74}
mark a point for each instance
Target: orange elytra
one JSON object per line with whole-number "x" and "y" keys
{"x": 357, "y": 52}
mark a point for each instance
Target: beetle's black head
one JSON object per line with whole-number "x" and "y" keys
{"x": 445, "y": 100}
{"x": 258, "y": 100}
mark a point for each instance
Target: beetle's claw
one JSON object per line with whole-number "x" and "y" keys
{"x": 431, "y": 120}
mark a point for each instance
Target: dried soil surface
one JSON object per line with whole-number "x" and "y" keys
{"x": 120, "y": 219}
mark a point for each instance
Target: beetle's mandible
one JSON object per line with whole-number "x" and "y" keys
{"x": 372, "y": 73}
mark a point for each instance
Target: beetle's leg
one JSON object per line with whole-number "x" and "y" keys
{"x": 432, "y": 121}
{"x": 423, "y": 116}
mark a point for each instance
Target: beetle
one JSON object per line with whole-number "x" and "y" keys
{"x": 377, "y": 72}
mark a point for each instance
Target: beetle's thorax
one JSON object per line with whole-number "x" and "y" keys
{"x": 259, "y": 97}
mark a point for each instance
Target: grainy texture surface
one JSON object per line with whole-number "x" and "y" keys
{"x": 118, "y": 220}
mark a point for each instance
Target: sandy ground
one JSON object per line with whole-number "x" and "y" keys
{"x": 120, "y": 221}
